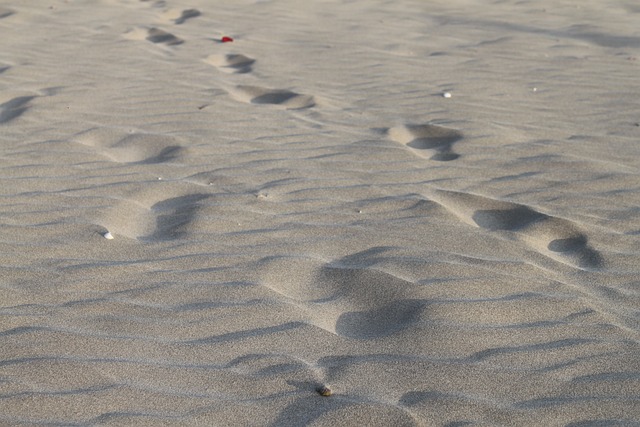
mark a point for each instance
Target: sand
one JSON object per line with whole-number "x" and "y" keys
{"x": 303, "y": 207}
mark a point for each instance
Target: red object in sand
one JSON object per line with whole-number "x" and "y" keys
{"x": 226, "y": 39}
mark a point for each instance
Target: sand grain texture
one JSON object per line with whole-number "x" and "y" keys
{"x": 302, "y": 208}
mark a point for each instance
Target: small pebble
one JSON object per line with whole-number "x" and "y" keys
{"x": 447, "y": 94}
{"x": 324, "y": 391}
{"x": 108, "y": 235}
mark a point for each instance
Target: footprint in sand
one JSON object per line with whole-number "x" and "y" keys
{"x": 140, "y": 215}
{"x": 278, "y": 97}
{"x": 231, "y": 63}
{"x": 135, "y": 148}
{"x": 156, "y": 35}
{"x": 173, "y": 216}
{"x": 179, "y": 16}
{"x": 555, "y": 238}
{"x": 4, "y": 12}
{"x": 432, "y": 139}
{"x": 348, "y": 297}
{"x": 14, "y": 108}
{"x": 186, "y": 14}
{"x": 155, "y": 3}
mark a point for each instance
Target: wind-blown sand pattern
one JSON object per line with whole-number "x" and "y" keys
{"x": 302, "y": 208}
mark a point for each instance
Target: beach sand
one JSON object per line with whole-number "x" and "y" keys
{"x": 303, "y": 207}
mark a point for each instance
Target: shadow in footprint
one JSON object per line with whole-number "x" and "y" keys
{"x": 5, "y": 12}
{"x": 508, "y": 219}
{"x": 155, "y": 3}
{"x": 187, "y": 14}
{"x": 14, "y": 108}
{"x": 521, "y": 218}
{"x": 555, "y": 237}
{"x": 133, "y": 148}
{"x": 156, "y": 35}
{"x": 167, "y": 154}
{"x": 232, "y": 63}
{"x": 379, "y": 299}
{"x": 348, "y": 297}
{"x": 578, "y": 247}
{"x": 275, "y": 97}
{"x": 437, "y": 139}
{"x": 380, "y": 322}
{"x": 174, "y": 216}
{"x": 280, "y": 97}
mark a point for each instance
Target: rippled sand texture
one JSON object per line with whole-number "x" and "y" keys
{"x": 303, "y": 208}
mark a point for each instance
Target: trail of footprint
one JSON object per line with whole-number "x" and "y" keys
{"x": 279, "y": 97}
{"x": 430, "y": 138}
{"x": 137, "y": 148}
{"x": 350, "y": 300}
{"x": 231, "y": 63}
{"x": 554, "y": 237}
{"x": 14, "y": 108}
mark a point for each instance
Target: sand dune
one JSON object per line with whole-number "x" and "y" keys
{"x": 199, "y": 232}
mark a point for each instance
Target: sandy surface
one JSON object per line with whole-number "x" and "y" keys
{"x": 302, "y": 207}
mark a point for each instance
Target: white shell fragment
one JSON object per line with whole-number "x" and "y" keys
{"x": 108, "y": 235}
{"x": 447, "y": 94}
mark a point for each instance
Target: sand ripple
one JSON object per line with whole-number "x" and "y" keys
{"x": 301, "y": 208}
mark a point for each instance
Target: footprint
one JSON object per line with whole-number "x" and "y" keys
{"x": 556, "y": 238}
{"x": 4, "y": 12}
{"x": 186, "y": 14}
{"x": 174, "y": 215}
{"x": 158, "y": 211}
{"x": 346, "y": 298}
{"x": 156, "y": 35}
{"x": 156, "y": 3}
{"x": 136, "y": 148}
{"x": 434, "y": 139}
{"x": 279, "y": 97}
{"x": 231, "y": 63}
{"x": 14, "y": 108}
